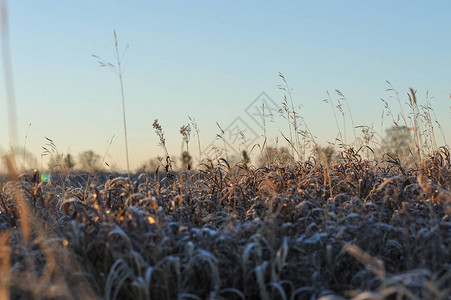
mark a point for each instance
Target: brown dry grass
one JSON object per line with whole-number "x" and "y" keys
{"x": 372, "y": 230}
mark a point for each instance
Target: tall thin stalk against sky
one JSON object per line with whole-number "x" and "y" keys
{"x": 193, "y": 122}
{"x": 8, "y": 77}
{"x": 416, "y": 122}
{"x": 10, "y": 160}
{"x": 221, "y": 136}
{"x": 25, "y": 146}
{"x": 287, "y": 89}
{"x": 345, "y": 100}
{"x": 118, "y": 71}
{"x": 123, "y": 101}
{"x": 329, "y": 100}
{"x": 286, "y": 109}
{"x": 160, "y": 133}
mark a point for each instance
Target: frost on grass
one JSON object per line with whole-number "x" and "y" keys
{"x": 360, "y": 229}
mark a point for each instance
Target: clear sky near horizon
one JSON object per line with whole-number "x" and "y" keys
{"x": 210, "y": 60}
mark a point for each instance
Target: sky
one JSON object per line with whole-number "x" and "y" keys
{"x": 211, "y": 60}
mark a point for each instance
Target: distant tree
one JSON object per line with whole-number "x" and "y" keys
{"x": 56, "y": 162}
{"x": 69, "y": 161}
{"x": 26, "y": 159}
{"x": 276, "y": 155}
{"x": 246, "y": 159}
{"x": 89, "y": 160}
{"x": 326, "y": 154}
{"x": 186, "y": 160}
{"x": 149, "y": 166}
{"x": 398, "y": 141}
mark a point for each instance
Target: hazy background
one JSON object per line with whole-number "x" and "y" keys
{"x": 210, "y": 60}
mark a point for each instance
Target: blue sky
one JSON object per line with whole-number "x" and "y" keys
{"x": 210, "y": 60}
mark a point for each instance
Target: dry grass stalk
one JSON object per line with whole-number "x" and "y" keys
{"x": 5, "y": 265}
{"x": 118, "y": 70}
{"x": 8, "y": 77}
{"x": 196, "y": 129}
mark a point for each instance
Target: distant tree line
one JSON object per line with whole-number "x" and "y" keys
{"x": 87, "y": 161}
{"x": 398, "y": 141}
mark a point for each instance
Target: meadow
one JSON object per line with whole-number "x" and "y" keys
{"x": 366, "y": 216}
{"x": 353, "y": 226}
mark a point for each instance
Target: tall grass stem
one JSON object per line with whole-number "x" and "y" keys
{"x": 8, "y": 77}
{"x": 123, "y": 101}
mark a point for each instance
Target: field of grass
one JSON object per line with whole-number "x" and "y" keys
{"x": 361, "y": 220}
{"x": 305, "y": 222}
{"x": 361, "y": 226}
{"x": 360, "y": 229}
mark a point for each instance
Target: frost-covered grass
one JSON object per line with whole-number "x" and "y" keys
{"x": 362, "y": 229}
